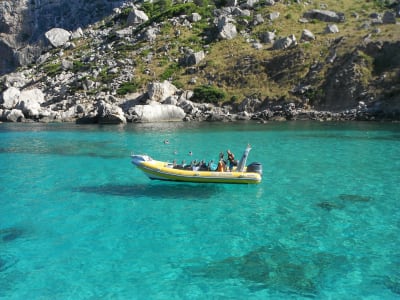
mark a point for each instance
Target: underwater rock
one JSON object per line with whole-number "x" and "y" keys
{"x": 10, "y": 234}
{"x": 6, "y": 262}
{"x": 392, "y": 284}
{"x": 355, "y": 198}
{"x": 330, "y": 205}
{"x": 268, "y": 268}
{"x": 280, "y": 269}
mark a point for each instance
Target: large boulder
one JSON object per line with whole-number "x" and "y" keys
{"x": 58, "y": 37}
{"x": 17, "y": 80}
{"x": 195, "y": 17}
{"x": 285, "y": 43}
{"x": 307, "y": 35}
{"x": 29, "y": 102}
{"x": 110, "y": 114}
{"x": 14, "y": 115}
{"x": 267, "y": 37}
{"x": 137, "y": 17}
{"x": 193, "y": 58}
{"x": 324, "y": 15}
{"x": 389, "y": 18}
{"x": 159, "y": 91}
{"x": 155, "y": 112}
{"x": 10, "y": 97}
{"x": 273, "y": 16}
{"x": 331, "y": 28}
{"x": 226, "y": 28}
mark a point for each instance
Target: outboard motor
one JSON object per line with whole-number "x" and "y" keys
{"x": 255, "y": 167}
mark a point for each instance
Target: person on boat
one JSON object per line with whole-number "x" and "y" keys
{"x": 221, "y": 155}
{"x": 221, "y": 166}
{"x": 231, "y": 159}
{"x": 211, "y": 166}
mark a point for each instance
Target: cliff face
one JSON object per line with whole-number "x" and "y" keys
{"x": 24, "y": 22}
{"x": 231, "y": 57}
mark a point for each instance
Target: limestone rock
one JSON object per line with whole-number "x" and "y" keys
{"x": 159, "y": 91}
{"x": 227, "y": 30}
{"x": 332, "y": 28}
{"x": 58, "y": 37}
{"x": 10, "y": 97}
{"x": 267, "y": 37}
{"x": 155, "y": 112}
{"x": 389, "y": 18}
{"x": 137, "y": 17}
{"x": 78, "y": 33}
{"x": 15, "y": 115}
{"x": 195, "y": 17}
{"x": 273, "y": 16}
{"x": 193, "y": 58}
{"x": 249, "y": 104}
{"x": 109, "y": 114}
{"x": 29, "y": 102}
{"x": 258, "y": 19}
{"x": 307, "y": 35}
{"x": 324, "y": 15}
{"x": 17, "y": 80}
{"x": 285, "y": 43}
{"x": 249, "y": 3}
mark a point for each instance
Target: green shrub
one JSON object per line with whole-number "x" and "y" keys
{"x": 208, "y": 94}
{"x": 127, "y": 87}
{"x": 169, "y": 71}
{"x": 163, "y": 10}
{"x": 79, "y": 66}
{"x": 178, "y": 84}
{"x": 106, "y": 77}
{"x": 52, "y": 69}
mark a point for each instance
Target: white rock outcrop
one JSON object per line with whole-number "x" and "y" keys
{"x": 137, "y": 17}
{"x": 58, "y": 37}
{"x": 29, "y": 102}
{"x": 11, "y": 97}
{"x": 159, "y": 91}
{"x": 227, "y": 30}
{"x": 155, "y": 112}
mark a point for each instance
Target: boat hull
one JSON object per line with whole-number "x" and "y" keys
{"x": 164, "y": 171}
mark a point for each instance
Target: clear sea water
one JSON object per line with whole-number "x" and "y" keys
{"x": 78, "y": 221}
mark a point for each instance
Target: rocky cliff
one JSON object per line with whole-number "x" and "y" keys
{"x": 24, "y": 22}
{"x": 114, "y": 61}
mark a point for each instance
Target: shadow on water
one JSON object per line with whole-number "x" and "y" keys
{"x": 158, "y": 191}
{"x": 6, "y": 262}
{"x": 92, "y": 149}
{"x": 343, "y": 200}
{"x": 289, "y": 271}
{"x": 10, "y": 234}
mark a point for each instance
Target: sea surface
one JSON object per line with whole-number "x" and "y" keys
{"x": 79, "y": 221}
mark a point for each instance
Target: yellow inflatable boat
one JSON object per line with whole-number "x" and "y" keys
{"x": 160, "y": 170}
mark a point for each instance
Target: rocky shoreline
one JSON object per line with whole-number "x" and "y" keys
{"x": 88, "y": 75}
{"x": 163, "y": 102}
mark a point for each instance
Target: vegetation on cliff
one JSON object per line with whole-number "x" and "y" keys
{"x": 326, "y": 64}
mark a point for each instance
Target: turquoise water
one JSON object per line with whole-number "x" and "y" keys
{"x": 78, "y": 221}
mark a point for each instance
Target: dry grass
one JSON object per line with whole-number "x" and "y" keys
{"x": 225, "y": 62}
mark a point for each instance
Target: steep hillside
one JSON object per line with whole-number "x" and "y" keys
{"x": 242, "y": 56}
{"x": 24, "y": 22}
